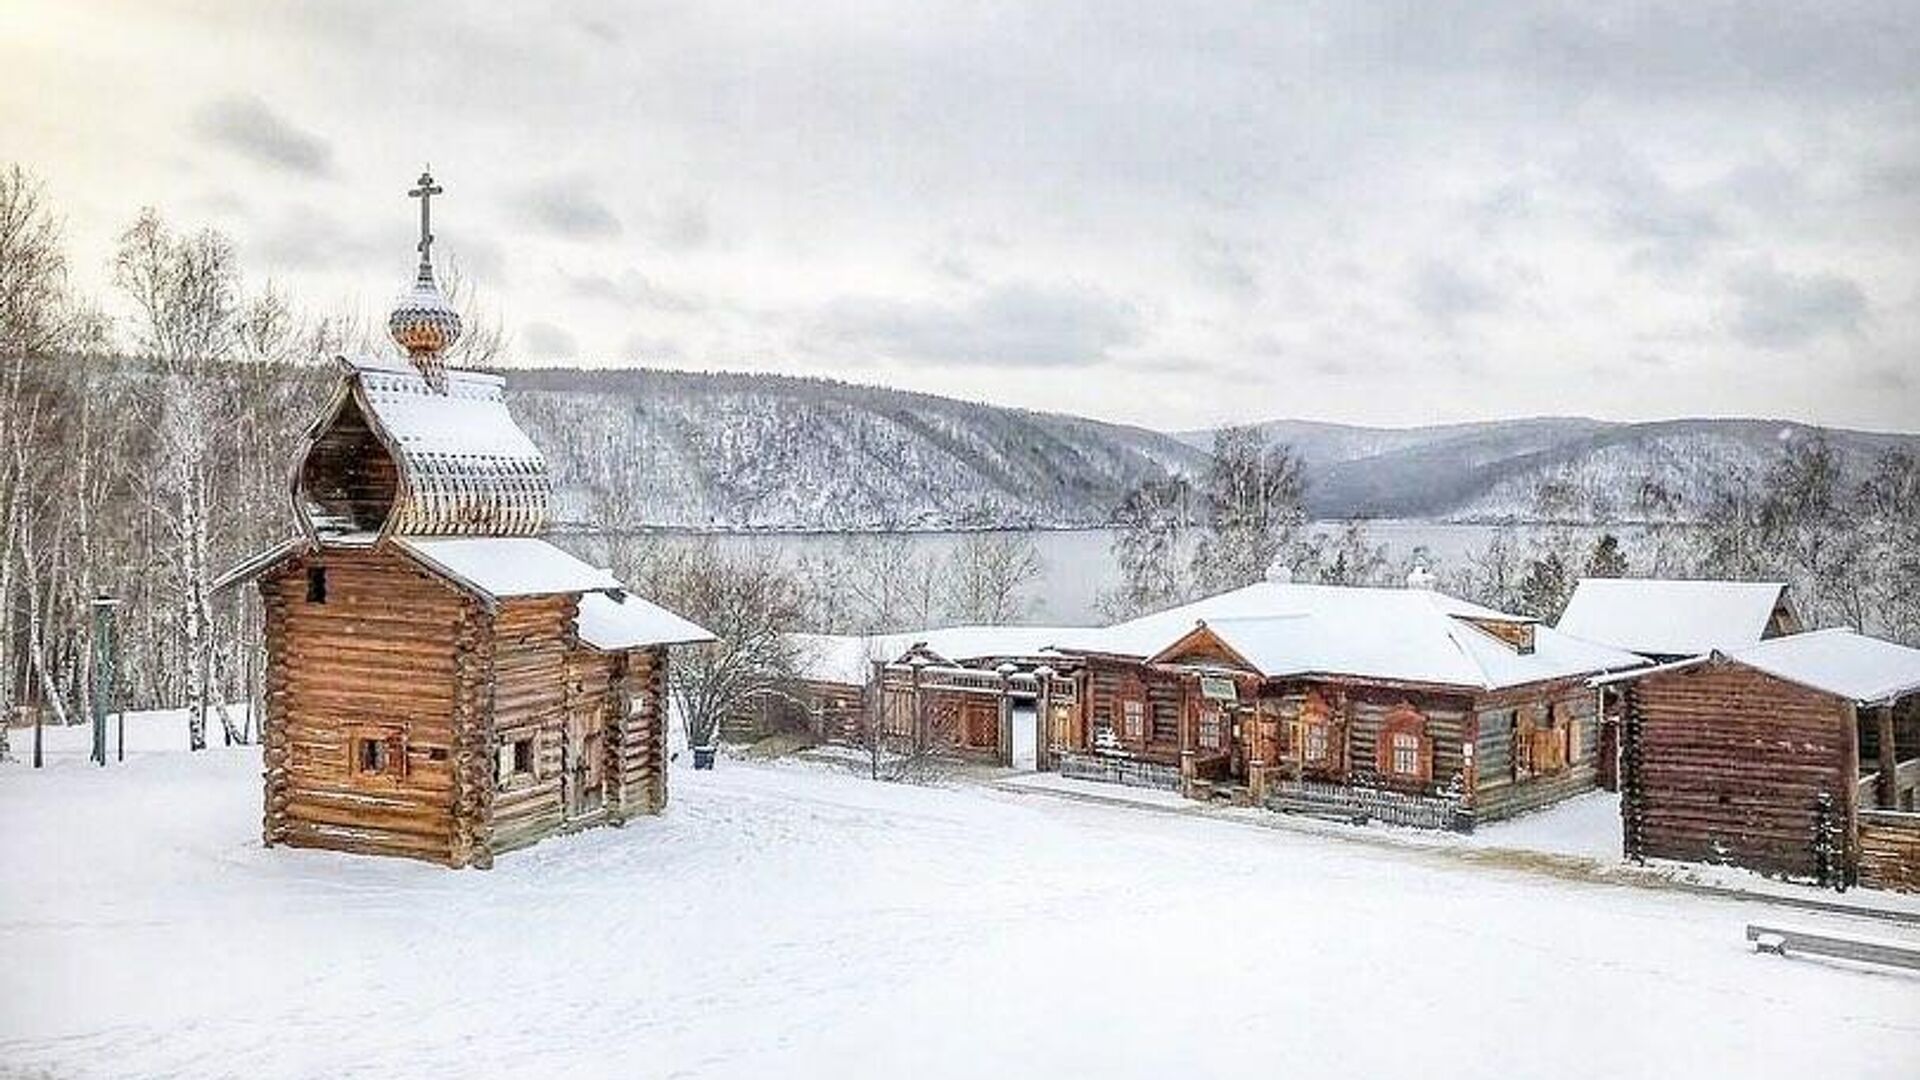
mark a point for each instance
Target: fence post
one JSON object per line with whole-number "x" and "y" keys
{"x": 103, "y": 676}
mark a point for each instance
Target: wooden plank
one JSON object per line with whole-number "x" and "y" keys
{"x": 1783, "y": 942}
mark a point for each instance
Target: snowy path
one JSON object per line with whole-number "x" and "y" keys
{"x": 783, "y": 921}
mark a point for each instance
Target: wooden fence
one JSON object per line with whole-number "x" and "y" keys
{"x": 1368, "y": 804}
{"x": 1108, "y": 769}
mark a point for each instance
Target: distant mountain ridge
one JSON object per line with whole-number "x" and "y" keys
{"x": 755, "y": 451}
{"x": 1588, "y": 470}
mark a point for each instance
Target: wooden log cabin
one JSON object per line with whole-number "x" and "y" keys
{"x": 1401, "y": 705}
{"x": 1797, "y": 757}
{"x": 441, "y": 683}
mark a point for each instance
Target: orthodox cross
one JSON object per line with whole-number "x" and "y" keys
{"x": 425, "y": 193}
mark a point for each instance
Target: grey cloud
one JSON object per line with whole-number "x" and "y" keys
{"x": 679, "y": 226}
{"x": 1775, "y": 309}
{"x": 306, "y": 237}
{"x": 247, "y": 126}
{"x": 1228, "y": 265}
{"x": 631, "y": 288}
{"x": 1891, "y": 378}
{"x": 1666, "y": 228}
{"x": 1446, "y": 293}
{"x": 1010, "y": 325}
{"x": 568, "y": 208}
{"x": 650, "y": 349}
{"x": 545, "y": 341}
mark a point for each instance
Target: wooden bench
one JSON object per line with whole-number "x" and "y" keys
{"x": 1781, "y": 942}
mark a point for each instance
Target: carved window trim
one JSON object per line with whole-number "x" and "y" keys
{"x": 1212, "y": 734}
{"x": 1402, "y": 722}
{"x": 1313, "y": 734}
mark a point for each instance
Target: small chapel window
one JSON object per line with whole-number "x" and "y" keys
{"x": 516, "y": 760}
{"x": 377, "y": 753}
{"x": 316, "y": 584}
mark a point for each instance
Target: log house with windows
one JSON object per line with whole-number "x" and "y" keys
{"x": 1403, "y": 705}
{"x": 441, "y": 683}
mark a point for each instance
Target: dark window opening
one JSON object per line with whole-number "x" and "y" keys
{"x": 348, "y": 481}
{"x": 438, "y": 753}
{"x": 523, "y": 756}
{"x": 316, "y": 584}
{"x": 371, "y": 757}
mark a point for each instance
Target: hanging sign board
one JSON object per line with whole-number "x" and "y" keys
{"x": 1218, "y": 688}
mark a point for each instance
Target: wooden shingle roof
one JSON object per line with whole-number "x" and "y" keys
{"x": 394, "y": 455}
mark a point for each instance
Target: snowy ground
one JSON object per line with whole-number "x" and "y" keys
{"x": 786, "y": 920}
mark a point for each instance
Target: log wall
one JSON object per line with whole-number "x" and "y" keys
{"x": 1162, "y": 696}
{"x": 1500, "y": 787}
{"x": 636, "y": 735}
{"x": 1890, "y": 850}
{"x": 1723, "y": 763}
{"x": 372, "y": 660}
{"x": 529, "y": 654}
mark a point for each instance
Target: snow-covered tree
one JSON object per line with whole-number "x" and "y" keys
{"x": 987, "y": 576}
{"x": 1146, "y": 549}
{"x": 1254, "y": 492}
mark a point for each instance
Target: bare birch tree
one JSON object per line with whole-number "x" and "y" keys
{"x": 987, "y": 576}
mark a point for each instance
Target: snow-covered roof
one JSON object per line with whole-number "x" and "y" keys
{"x": 848, "y": 658}
{"x": 504, "y": 567}
{"x": 1401, "y": 635}
{"x": 255, "y": 565}
{"x": 470, "y": 418}
{"x": 1841, "y": 662}
{"x": 1148, "y": 634}
{"x": 614, "y": 621}
{"x": 1671, "y": 618}
{"x": 463, "y": 466}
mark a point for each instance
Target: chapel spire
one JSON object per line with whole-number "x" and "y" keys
{"x": 423, "y": 323}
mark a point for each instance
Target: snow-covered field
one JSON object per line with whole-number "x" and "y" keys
{"x": 792, "y": 921}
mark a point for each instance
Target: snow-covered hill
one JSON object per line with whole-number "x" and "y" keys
{"x": 735, "y": 451}
{"x": 772, "y": 452}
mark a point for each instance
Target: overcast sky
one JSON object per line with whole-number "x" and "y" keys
{"x": 1394, "y": 213}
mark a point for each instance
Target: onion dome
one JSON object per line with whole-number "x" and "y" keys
{"x": 423, "y": 323}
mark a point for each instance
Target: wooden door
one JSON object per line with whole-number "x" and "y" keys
{"x": 1609, "y": 753}
{"x": 583, "y": 765}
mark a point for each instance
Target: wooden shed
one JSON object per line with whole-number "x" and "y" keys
{"x": 980, "y": 693}
{"x": 441, "y": 683}
{"x": 1797, "y": 757}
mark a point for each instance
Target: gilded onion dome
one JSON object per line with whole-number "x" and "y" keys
{"x": 423, "y": 323}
